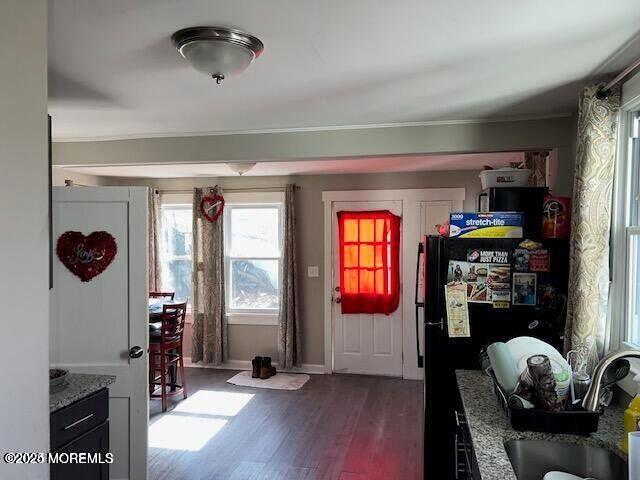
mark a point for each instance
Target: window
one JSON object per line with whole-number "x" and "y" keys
{"x": 176, "y": 249}
{"x": 632, "y": 233}
{"x": 253, "y": 245}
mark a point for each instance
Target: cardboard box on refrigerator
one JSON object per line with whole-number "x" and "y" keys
{"x": 486, "y": 225}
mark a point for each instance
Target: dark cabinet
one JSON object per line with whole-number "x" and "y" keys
{"x": 93, "y": 441}
{"x": 466, "y": 466}
{"x": 81, "y": 428}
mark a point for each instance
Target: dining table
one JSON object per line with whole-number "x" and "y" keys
{"x": 156, "y": 306}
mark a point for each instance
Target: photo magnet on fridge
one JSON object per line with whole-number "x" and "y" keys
{"x": 521, "y": 258}
{"x": 524, "y": 289}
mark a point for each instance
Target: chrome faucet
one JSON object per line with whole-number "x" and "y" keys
{"x": 591, "y": 400}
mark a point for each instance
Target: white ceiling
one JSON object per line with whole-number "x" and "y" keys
{"x": 471, "y": 161}
{"x": 114, "y": 72}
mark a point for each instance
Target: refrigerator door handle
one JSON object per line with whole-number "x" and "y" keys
{"x": 418, "y": 306}
{"x": 415, "y": 296}
{"x": 420, "y": 357}
{"x": 435, "y": 324}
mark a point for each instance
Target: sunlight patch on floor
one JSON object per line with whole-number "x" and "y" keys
{"x": 183, "y": 432}
{"x": 210, "y": 402}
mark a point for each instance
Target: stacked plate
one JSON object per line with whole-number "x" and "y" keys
{"x": 522, "y": 348}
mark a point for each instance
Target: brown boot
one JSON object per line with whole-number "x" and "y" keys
{"x": 265, "y": 370}
{"x": 256, "y": 365}
{"x": 272, "y": 369}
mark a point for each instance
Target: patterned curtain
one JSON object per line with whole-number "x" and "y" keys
{"x": 590, "y": 224}
{"x": 209, "y": 320}
{"x": 153, "y": 218}
{"x": 289, "y": 346}
{"x": 537, "y": 163}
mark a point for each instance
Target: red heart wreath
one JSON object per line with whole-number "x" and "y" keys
{"x": 211, "y": 207}
{"x": 86, "y": 256}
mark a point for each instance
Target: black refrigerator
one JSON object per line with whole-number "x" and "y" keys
{"x": 443, "y": 355}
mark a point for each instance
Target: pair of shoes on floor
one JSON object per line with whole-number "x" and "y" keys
{"x": 262, "y": 368}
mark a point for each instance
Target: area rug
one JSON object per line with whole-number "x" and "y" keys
{"x": 280, "y": 381}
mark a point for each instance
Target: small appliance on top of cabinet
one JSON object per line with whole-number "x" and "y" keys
{"x": 528, "y": 200}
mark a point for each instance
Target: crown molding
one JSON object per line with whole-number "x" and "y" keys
{"x": 138, "y": 136}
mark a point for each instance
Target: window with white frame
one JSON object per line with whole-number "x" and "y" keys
{"x": 253, "y": 254}
{"x": 176, "y": 244}
{"x": 631, "y": 218}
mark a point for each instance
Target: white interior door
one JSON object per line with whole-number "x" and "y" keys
{"x": 94, "y": 324}
{"x": 365, "y": 343}
{"x": 433, "y": 212}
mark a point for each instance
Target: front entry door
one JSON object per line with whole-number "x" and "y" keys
{"x": 95, "y": 324}
{"x": 365, "y": 343}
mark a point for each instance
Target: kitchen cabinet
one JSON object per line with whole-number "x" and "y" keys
{"x": 82, "y": 427}
{"x": 466, "y": 466}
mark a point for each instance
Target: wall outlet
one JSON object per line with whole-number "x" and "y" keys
{"x": 313, "y": 271}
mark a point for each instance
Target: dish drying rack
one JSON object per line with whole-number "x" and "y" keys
{"x": 576, "y": 421}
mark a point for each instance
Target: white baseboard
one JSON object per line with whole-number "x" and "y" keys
{"x": 246, "y": 365}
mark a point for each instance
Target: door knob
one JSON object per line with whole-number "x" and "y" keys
{"x": 136, "y": 352}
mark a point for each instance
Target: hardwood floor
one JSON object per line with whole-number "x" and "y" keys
{"x": 342, "y": 427}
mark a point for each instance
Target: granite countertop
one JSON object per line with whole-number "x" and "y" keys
{"x": 490, "y": 427}
{"x": 80, "y": 385}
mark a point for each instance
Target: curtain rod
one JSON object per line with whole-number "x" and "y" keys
{"x": 603, "y": 92}
{"x": 232, "y": 190}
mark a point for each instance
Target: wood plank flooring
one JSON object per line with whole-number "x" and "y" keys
{"x": 338, "y": 427}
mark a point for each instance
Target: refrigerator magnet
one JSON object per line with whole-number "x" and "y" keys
{"x": 540, "y": 261}
{"x": 524, "y": 289}
{"x": 457, "y": 310}
{"x": 501, "y": 298}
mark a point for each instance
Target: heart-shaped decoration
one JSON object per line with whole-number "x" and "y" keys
{"x": 211, "y": 207}
{"x": 86, "y": 256}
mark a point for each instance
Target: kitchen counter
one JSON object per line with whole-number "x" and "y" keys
{"x": 490, "y": 427}
{"x": 80, "y": 386}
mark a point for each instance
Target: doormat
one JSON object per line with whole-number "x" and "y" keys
{"x": 280, "y": 381}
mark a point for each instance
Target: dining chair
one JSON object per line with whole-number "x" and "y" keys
{"x": 170, "y": 295}
{"x": 165, "y": 351}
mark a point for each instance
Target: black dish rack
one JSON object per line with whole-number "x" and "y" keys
{"x": 577, "y": 421}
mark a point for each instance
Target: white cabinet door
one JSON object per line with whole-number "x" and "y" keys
{"x": 365, "y": 343}
{"x": 95, "y": 324}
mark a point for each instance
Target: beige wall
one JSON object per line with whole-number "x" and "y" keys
{"x": 59, "y": 175}
{"x": 245, "y": 341}
{"x": 24, "y": 243}
{"x": 451, "y": 137}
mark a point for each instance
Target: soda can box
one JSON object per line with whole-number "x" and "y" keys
{"x": 486, "y": 225}
{"x": 556, "y": 218}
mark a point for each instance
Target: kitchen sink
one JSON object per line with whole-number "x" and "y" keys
{"x": 532, "y": 459}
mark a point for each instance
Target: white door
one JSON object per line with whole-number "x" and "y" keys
{"x": 95, "y": 324}
{"x": 433, "y": 212}
{"x": 365, "y": 343}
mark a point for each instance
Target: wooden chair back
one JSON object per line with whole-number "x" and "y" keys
{"x": 170, "y": 295}
{"x": 173, "y": 317}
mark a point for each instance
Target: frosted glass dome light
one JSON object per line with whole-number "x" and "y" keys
{"x": 217, "y": 51}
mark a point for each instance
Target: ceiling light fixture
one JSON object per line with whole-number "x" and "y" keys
{"x": 217, "y": 51}
{"x": 241, "y": 168}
